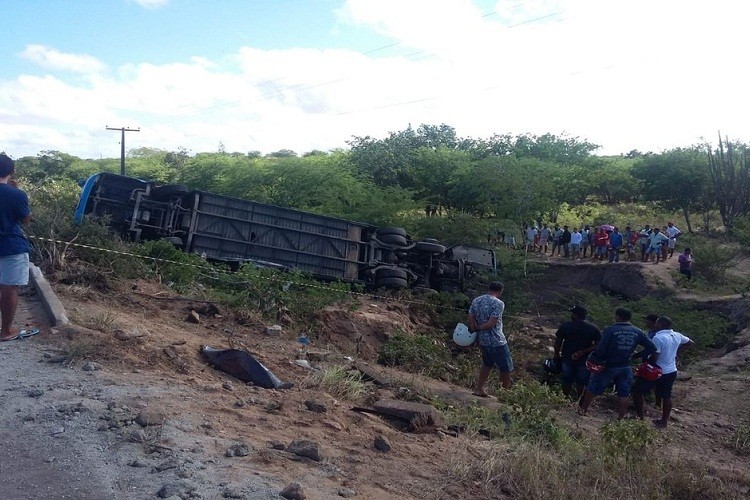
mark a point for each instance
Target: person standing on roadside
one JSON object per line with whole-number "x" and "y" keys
{"x": 644, "y": 236}
{"x": 585, "y": 241}
{"x": 14, "y": 248}
{"x": 574, "y": 340}
{"x": 601, "y": 242}
{"x": 614, "y": 352}
{"x": 486, "y": 318}
{"x": 575, "y": 243}
{"x": 615, "y": 244}
{"x": 545, "y": 235}
{"x": 668, "y": 344}
{"x": 565, "y": 241}
{"x": 672, "y": 234}
{"x": 657, "y": 241}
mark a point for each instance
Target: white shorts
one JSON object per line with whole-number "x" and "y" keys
{"x": 672, "y": 243}
{"x": 14, "y": 269}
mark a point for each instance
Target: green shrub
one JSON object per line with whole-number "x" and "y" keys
{"x": 272, "y": 292}
{"x": 627, "y": 438}
{"x": 170, "y": 264}
{"x": 414, "y": 353}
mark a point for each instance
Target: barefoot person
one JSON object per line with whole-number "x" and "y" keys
{"x": 668, "y": 344}
{"x": 614, "y": 352}
{"x": 14, "y": 248}
{"x": 486, "y": 318}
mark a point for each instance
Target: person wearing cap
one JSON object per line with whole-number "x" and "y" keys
{"x": 574, "y": 340}
{"x": 14, "y": 248}
{"x": 486, "y": 318}
{"x": 618, "y": 343}
{"x": 669, "y": 344}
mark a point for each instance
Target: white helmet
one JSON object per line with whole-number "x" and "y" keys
{"x": 462, "y": 336}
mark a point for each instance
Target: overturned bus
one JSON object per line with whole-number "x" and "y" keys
{"x": 237, "y": 231}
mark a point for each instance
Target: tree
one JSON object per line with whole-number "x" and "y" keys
{"x": 729, "y": 166}
{"x": 676, "y": 180}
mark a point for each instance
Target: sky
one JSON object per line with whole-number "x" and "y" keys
{"x": 265, "y": 75}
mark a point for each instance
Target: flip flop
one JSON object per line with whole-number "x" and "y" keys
{"x": 9, "y": 338}
{"x": 485, "y": 395}
{"x": 30, "y": 332}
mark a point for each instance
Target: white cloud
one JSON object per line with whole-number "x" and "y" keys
{"x": 56, "y": 60}
{"x": 645, "y": 75}
{"x": 151, "y": 4}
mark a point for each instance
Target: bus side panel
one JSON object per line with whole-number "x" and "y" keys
{"x": 239, "y": 230}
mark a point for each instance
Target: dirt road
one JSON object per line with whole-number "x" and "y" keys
{"x": 70, "y": 432}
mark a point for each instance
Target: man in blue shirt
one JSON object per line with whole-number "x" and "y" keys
{"x": 614, "y": 352}
{"x": 615, "y": 244}
{"x": 14, "y": 248}
{"x": 486, "y": 318}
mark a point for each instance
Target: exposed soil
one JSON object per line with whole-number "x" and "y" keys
{"x": 137, "y": 333}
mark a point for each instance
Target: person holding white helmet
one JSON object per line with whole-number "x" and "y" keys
{"x": 486, "y": 318}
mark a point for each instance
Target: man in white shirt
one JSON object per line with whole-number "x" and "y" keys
{"x": 672, "y": 233}
{"x": 668, "y": 343}
{"x": 575, "y": 243}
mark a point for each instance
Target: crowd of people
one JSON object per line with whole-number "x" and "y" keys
{"x": 605, "y": 242}
{"x": 591, "y": 359}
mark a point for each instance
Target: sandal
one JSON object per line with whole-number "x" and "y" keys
{"x": 29, "y": 332}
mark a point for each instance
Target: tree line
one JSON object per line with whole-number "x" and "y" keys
{"x": 391, "y": 180}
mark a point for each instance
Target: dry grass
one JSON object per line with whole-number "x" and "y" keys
{"x": 341, "y": 383}
{"x": 102, "y": 321}
{"x": 522, "y": 469}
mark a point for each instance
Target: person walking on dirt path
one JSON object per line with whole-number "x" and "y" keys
{"x": 14, "y": 248}
{"x": 486, "y": 318}
{"x": 685, "y": 260}
{"x": 614, "y": 352}
{"x": 669, "y": 344}
{"x": 574, "y": 341}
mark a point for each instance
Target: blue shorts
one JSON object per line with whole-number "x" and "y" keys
{"x": 622, "y": 377}
{"x": 497, "y": 357}
{"x": 601, "y": 250}
{"x": 574, "y": 372}
{"x": 14, "y": 269}
{"x": 663, "y": 385}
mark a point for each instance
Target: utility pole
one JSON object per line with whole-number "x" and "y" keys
{"x": 122, "y": 144}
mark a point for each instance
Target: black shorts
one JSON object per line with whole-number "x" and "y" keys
{"x": 662, "y": 385}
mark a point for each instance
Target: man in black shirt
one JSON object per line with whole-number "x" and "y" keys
{"x": 575, "y": 339}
